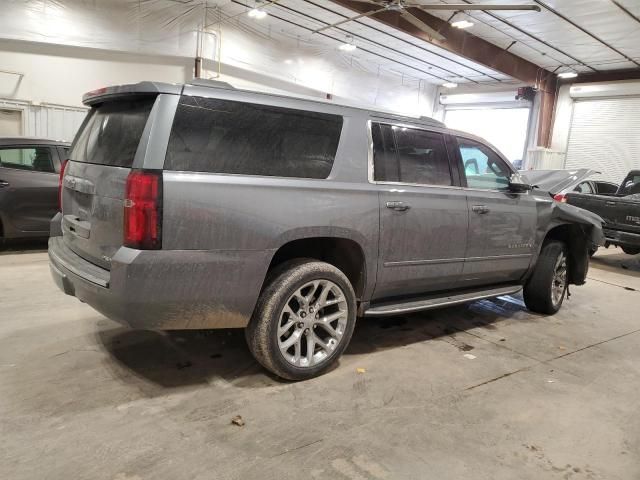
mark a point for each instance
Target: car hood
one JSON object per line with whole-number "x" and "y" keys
{"x": 555, "y": 181}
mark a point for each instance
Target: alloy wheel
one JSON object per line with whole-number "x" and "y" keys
{"x": 559, "y": 282}
{"x": 312, "y": 323}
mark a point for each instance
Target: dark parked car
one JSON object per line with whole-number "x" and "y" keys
{"x": 562, "y": 182}
{"x": 620, "y": 211}
{"x": 203, "y": 206}
{"x": 29, "y": 176}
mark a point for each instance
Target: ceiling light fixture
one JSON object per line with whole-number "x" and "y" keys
{"x": 568, "y": 75}
{"x": 449, "y": 85}
{"x": 348, "y": 46}
{"x": 257, "y": 13}
{"x": 462, "y": 24}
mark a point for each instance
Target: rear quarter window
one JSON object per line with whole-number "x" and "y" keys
{"x": 223, "y": 136}
{"x": 112, "y": 132}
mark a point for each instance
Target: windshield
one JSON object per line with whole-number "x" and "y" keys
{"x": 631, "y": 185}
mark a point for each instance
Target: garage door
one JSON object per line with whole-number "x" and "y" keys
{"x": 506, "y": 128}
{"x": 605, "y": 136}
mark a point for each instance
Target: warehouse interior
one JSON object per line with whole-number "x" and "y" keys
{"x": 487, "y": 389}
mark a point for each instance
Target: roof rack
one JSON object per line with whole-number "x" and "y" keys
{"x": 205, "y": 82}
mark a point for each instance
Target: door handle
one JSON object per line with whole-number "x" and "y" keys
{"x": 398, "y": 206}
{"x": 480, "y": 209}
{"x": 3, "y": 184}
{"x": 610, "y": 204}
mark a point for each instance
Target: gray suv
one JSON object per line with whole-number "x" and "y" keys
{"x": 201, "y": 206}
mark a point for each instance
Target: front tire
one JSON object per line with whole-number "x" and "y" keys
{"x": 545, "y": 290}
{"x": 303, "y": 320}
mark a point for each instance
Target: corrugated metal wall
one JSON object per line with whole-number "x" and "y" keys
{"x": 605, "y": 136}
{"x": 56, "y": 122}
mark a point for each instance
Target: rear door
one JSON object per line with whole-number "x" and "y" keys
{"x": 502, "y": 224}
{"x": 28, "y": 188}
{"x": 423, "y": 213}
{"x": 602, "y": 205}
{"x": 103, "y": 153}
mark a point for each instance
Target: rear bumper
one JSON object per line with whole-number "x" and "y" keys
{"x": 626, "y": 239}
{"x": 165, "y": 290}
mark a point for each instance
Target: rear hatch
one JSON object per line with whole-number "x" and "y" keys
{"x": 93, "y": 187}
{"x": 556, "y": 181}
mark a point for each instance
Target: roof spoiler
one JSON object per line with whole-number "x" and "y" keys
{"x": 141, "y": 88}
{"x": 204, "y": 82}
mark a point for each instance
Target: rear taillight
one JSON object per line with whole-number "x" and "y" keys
{"x": 60, "y": 185}
{"x": 560, "y": 197}
{"x": 143, "y": 210}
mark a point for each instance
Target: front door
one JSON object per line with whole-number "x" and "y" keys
{"x": 423, "y": 215}
{"x": 502, "y": 224}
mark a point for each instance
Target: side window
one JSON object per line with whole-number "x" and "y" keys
{"x": 584, "y": 187}
{"x": 422, "y": 157}
{"x": 482, "y": 167}
{"x": 385, "y": 161}
{"x": 27, "y": 158}
{"x": 606, "y": 188}
{"x": 223, "y": 136}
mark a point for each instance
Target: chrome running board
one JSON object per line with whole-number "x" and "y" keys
{"x": 432, "y": 301}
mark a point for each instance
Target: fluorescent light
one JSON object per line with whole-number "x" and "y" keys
{"x": 568, "y": 75}
{"x": 288, "y": 61}
{"x": 347, "y": 47}
{"x": 257, "y": 13}
{"x": 462, "y": 24}
{"x": 449, "y": 85}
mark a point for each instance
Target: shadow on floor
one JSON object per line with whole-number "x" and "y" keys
{"x": 181, "y": 358}
{"x": 18, "y": 246}
{"x": 190, "y": 357}
{"x": 618, "y": 262}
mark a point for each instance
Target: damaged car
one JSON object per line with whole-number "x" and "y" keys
{"x": 202, "y": 206}
{"x": 562, "y": 182}
{"x": 620, "y": 211}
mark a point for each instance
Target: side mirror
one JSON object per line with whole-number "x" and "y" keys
{"x": 517, "y": 184}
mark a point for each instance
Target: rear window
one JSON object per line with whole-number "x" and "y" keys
{"x": 222, "y": 136}
{"x": 112, "y": 132}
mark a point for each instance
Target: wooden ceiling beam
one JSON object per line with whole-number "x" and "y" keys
{"x": 478, "y": 50}
{"x": 458, "y": 41}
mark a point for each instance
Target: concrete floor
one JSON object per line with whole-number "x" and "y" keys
{"x": 484, "y": 391}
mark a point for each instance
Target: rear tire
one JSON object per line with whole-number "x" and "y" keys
{"x": 631, "y": 250}
{"x": 303, "y": 320}
{"x": 545, "y": 290}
